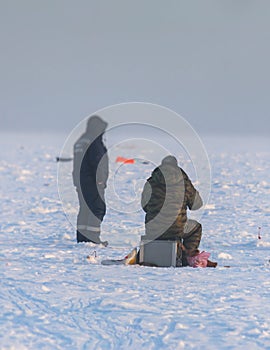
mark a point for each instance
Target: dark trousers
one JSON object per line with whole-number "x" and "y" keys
{"x": 192, "y": 235}
{"x": 191, "y": 238}
{"x": 92, "y": 209}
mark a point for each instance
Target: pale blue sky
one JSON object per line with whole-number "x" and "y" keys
{"x": 206, "y": 60}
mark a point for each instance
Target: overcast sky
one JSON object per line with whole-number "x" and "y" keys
{"x": 207, "y": 60}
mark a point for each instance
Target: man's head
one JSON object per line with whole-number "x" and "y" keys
{"x": 96, "y": 126}
{"x": 169, "y": 160}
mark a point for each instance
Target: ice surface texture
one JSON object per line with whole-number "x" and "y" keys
{"x": 52, "y": 297}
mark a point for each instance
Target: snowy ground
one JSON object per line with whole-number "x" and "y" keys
{"x": 52, "y": 297}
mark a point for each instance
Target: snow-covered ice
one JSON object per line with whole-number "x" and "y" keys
{"x": 53, "y": 297}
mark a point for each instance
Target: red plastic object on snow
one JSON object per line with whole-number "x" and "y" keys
{"x": 125, "y": 160}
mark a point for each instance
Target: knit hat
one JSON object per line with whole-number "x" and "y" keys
{"x": 171, "y": 160}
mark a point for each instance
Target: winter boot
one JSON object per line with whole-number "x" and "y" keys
{"x": 211, "y": 264}
{"x": 83, "y": 237}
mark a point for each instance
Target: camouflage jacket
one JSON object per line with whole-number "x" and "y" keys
{"x": 165, "y": 198}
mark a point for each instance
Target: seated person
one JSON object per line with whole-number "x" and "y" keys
{"x": 165, "y": 198}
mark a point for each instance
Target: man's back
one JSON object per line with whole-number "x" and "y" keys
{"x": 166, "y": 196}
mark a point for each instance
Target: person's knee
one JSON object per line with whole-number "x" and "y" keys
{"x": 192, "y": 226}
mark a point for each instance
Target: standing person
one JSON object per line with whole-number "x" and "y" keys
{"x": 165, "y": 198}
{"x": 90, "y": 174}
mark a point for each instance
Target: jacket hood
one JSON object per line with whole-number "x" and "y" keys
{"x": 167, "y": 174}
{"x": 96, "y": 126}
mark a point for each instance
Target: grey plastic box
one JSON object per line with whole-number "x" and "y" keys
{"x": 158, "y": 253}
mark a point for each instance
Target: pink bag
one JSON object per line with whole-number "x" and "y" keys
{"x": 199, "y": 260}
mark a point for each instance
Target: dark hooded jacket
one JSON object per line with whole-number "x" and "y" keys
{"x": 90, "y": 165}
{"x": 166, "y": 196}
